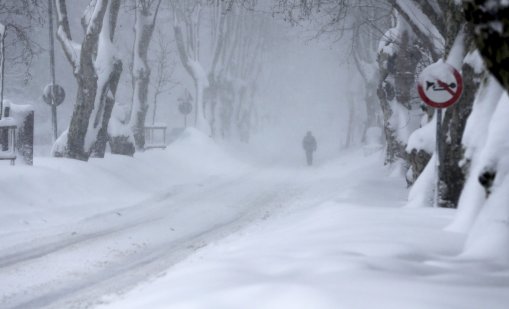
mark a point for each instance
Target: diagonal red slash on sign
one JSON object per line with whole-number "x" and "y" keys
{"x": 446, "y": 87}
{"x": 453, "y": 88}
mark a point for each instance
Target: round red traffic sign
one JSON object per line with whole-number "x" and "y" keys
{"x": 440, "y": 85}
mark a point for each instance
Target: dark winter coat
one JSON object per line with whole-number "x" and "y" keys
{"x": 309, "y": 143}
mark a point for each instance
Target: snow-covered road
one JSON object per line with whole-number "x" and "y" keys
{"x": 72, "y": 264}
{"x": 343, "y": 242}
{"x": 180, "y": 229}
{"x": 114, "y": 250}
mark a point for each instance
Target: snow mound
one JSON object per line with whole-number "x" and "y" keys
{"x": 202, "y": 154}
{"x": 59, "y": 191}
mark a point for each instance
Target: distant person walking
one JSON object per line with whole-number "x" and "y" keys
{"x": 309, "y": 145}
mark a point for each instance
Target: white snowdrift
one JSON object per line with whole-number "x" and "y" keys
{"x": 334, "y": 236}
{"x": 357, "y": 249}
{"x": 60, "y": 191}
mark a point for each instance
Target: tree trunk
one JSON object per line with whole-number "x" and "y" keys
{"x": 452, "y": 175}
{"x": 195, "y": 70}
{"x": 99, "y": 147}
{"x": 85, "y": 101}
{"x": 386, "y": 95}
{"x": 143, "y": 29}
{"x": 92, "y": 111}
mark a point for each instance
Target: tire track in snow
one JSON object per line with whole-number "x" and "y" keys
{"x": 64, "y": 292}
{"x": 40, "y": 247}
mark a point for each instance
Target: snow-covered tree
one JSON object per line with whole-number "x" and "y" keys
{"x": 187, "y": 26}
{"x": 450, "y": 41}
{"x": 482, "y": 209}
{"x": 164, "y": 64}
{"x": 97, "y": 71}
{"x": 225, "y": 81}
{"x": 20, "y": 19}
{"x": 235, "y": 70}
{"x": 146, "y": 12}
{"x": 399, "y": 54}
{"x": 423, "y": 32}
{"x": 368, "y": 22}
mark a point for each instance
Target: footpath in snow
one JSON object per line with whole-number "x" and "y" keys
{"x": 193, "y": 227}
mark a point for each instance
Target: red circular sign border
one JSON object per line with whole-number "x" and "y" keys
{"x": 451, "y": 101}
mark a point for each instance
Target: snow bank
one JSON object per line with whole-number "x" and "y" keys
{"x": 60, "y": 191}
{"x": 355, "y": 250}
{"x": 201, "y": 154}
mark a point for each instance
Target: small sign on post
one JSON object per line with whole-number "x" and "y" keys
{"x": 440, "y": 85}
{"x": 53, "y": 95}
{"x": 185, "y": 107}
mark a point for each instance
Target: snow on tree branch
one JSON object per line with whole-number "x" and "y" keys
{"x": 96, "y": 17}
{"x": 71, "y": 49}
{"x": 421, "y": 25}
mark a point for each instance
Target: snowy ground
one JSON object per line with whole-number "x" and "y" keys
{"x": 193, "y": 227}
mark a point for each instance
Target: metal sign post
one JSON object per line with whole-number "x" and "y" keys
{"x": 52, "y": 68}
{"x": 185, "y": 106}
{"x": 439, "y": 160}
{"x": 440, "y": 85}
{"x": 2, "y": 68}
